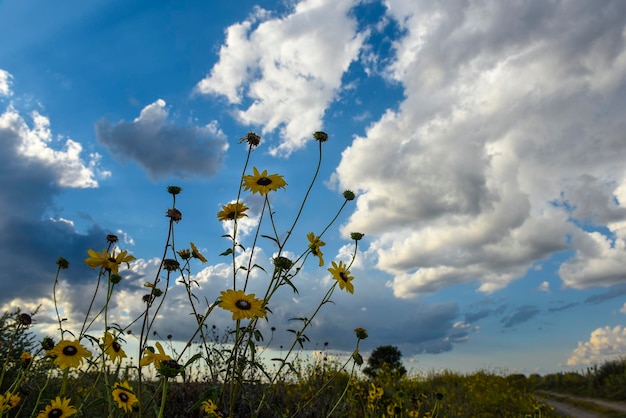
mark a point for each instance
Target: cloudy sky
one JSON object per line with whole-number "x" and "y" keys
{"x": 485, "y": 140}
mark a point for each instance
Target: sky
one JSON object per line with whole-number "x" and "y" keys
{"x": 485, "y": 142}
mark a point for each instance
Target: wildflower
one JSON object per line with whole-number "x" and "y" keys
{"x": 63, "y": 263}
{"x": 9, "y": 401}
{"x": 252, "y": 139}
{"x": 151, "y": 357}
{"x": 24, "y": 319}
{"x": 232, "y": 211}
{"x": 170, "y": 368}
{"x": 124, "y": 396}
{"x": 174, "y": 190}
{"x": 109, "y": 262}
{"x": 112, "y": 348}
{"x": 342, "y": 275}
{"x": 283, "y": 263}
{"x": 58, "y": 408}
{"x": 361, "y": 333}
{"x": 356, "y": 236}
{"x": 320, "y": 136}
{"x": 348, "y": 195}
{"x": 241, "y": 305}
{"x": 69, "y": 354}
{"x": 314, "y": 245}
{"x": 375, "y": 393}
{"x": 174, "y": 214}
{"x": 170, "y": 264}
{"x": 263, "y": 183}
{"x": 26, "y": 358}
{"x": 196, "y": 254}
{"x": 47, "y": 344}
{"x": 184, "y": 254}
{"x": 210, "y": 408}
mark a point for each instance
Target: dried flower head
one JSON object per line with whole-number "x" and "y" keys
{"x": 348, "y": 195}
{"x": 47, "y": 343}
{"x": 115, "y": 278}
{"x": 174, "y": 190}
{"x": 174, "y": 214}
{"x": 320, "y": 136}
{"x": 62, "y": 263}
{"x": 112, "y": 238}
{"x": 283, "y": 263}
{"x": 24, "y": 319}
{"x": 252, "y": 139}
{"x": 356, "y": 236}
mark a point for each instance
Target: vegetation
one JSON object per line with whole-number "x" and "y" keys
{"x": 385, "y": 355}
{"x": 84, "y": 370}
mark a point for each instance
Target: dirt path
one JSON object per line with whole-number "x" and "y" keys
{"x": 569, "y": 410}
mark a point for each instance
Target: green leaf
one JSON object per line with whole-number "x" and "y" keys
{"x": 227, "y": 252}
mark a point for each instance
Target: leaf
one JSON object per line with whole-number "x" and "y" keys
{"x": 257, "y": 266}
{"x": 227, "y": 252}
{"x": 272, "y": 238}
{"x": 193, "y": 358}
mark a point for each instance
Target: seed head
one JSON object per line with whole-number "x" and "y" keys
{"x": 348, "y": 195}
{"x": 174, "y": 190}
{"x": 320, "y": 136}
{"x": 62, "y": 263}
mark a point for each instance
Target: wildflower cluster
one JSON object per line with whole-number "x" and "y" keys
{"x": 92, "y": 361}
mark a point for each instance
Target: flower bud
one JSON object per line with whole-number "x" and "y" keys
{"x": 348, "y": 195}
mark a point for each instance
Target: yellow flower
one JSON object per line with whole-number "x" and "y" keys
{"x": 263, "y": 183}
{"x": 124, "y": 396}
{"x": 108, "y": 261}
{"x": 375, "y": 393}
{"x": 241, "y": 305}
{"x": 113, "y": 348}
{"x": 69, "y": 354}
{"x": 314, "y": 245}
{"x": 151, "y": 357}
{"x": 26, "y": 357}
{"x": 232, "y": 211}
{"x": 342, "y": 275}
{"x": 211, "y": 409}
{"x": 9, "y": 401}
{"x": 196, "y": 254}
{"x": 58, "y": 409}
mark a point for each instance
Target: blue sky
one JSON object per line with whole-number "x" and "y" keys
{"x": 485, "y": 142}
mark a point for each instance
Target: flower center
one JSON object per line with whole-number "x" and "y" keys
{"x": 69, "y": 351}
{"x": 123, "y": 397}
{"x": 244, "y": 305}
{"x": 116, "y": 346}
{"x": 112, "y": 260}
{"x": 264, "y": 181}
{"x": 343, "y": 276}
{"x": 55, "y": 413}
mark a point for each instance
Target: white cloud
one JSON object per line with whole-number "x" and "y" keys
{"x": 5, "y": 83}
{"x": 36, "y": 143}
{"x": 289, "y": 67}
{"x": 604, "y": 344}
{"x": 507, "y": 133}
{"x": 544, "y": 287}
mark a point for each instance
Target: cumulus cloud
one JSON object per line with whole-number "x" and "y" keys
{"x": 6, "y": 80}
{"x": 604, "y": 344}
{"x": 161, "y": 148}
{"x": 283, "y": 72}
{"x": 37, "y": 166}
{"x": 509, "y": 143}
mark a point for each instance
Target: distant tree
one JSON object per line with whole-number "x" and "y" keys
{"x": 385, "y": 356}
